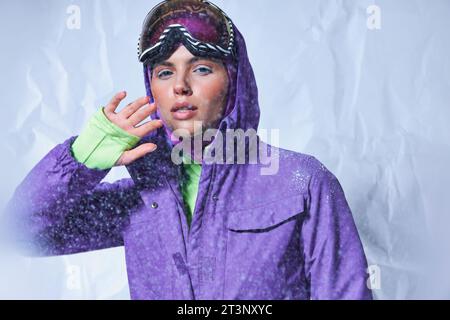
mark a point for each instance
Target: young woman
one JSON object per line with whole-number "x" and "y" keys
{"x": 195, "y": 230}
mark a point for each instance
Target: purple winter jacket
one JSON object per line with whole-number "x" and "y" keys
{"x": 285, "y": 236}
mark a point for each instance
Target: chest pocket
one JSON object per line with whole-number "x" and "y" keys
{"x": 268, "y": 216}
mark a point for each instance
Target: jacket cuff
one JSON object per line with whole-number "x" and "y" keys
{"x": 101, "y": 143}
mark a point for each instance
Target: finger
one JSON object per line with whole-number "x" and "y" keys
{"x": 147, "y": 127}
{"x": 133, "y": 107}
{"x": 130, "y": 156}
{"x": 141, "y": 114}
{"x": 114, "y": 103}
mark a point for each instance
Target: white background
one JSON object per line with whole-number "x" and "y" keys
{"x": 371, "y": 104}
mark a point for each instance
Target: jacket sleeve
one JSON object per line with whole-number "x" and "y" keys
{"x": 102, "y": 142}
{"x": 335, "y": 263}
{"x": 62, "y": 208}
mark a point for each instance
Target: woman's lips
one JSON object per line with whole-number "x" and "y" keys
{"x": 183, "y": 111}
{"x": 184, "y": 114}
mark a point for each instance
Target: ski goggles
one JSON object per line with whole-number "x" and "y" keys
{"x": 203, "y": 28}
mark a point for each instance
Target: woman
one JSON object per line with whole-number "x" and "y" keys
{"x": 195, "y": 230}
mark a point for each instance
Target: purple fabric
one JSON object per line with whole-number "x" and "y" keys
{"x": 285, "y": 236}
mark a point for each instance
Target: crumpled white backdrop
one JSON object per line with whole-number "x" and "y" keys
{"x": 372, "y": 105}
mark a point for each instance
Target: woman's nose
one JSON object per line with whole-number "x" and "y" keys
{"x": 182, "y": 87}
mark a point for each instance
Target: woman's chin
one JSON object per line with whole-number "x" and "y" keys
{"x": 186, "y": 128}
{"x": 190, "y": 128}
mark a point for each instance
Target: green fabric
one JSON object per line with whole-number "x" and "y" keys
{"x": 101, "y": 143}
{"x": 189, "y": 185}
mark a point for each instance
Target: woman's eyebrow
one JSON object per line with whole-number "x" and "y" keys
{"x": 191, "y": 61}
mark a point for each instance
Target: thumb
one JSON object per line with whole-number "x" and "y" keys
{"x": 132, "y": 155}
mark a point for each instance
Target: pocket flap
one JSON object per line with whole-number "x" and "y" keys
{"x": 266, "y": 216}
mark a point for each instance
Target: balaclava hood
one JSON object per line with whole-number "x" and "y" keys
{"x": 242, "y": 108}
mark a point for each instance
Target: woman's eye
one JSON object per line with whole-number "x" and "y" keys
{"x": 164, "y": 73}
{"x": 204, "y": 70}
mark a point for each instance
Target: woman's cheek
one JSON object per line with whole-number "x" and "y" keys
{"x": 211, "y": 91}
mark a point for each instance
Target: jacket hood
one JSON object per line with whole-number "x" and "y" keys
{"x": 242, "y": 110}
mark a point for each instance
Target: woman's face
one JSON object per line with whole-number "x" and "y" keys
{"x": 189, "y": 89}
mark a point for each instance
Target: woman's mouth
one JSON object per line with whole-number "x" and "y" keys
{"x": 184, "y": 111}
